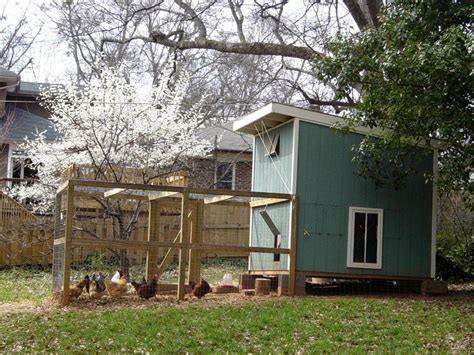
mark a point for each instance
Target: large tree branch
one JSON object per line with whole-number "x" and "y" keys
{"x": 255, "y": 48}
{"x": 364, "y": 12}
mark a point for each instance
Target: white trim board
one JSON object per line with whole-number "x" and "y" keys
{"x": 350, "y": 238}
{"x": 275, "y": 112}
{"x": 434, "y": 214}
{"x": 282, "y": 113}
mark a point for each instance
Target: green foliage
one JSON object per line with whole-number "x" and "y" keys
{"x": 300, "y": 325}
{"x": 415, "y": 79}
{"x": 455, "y": 239}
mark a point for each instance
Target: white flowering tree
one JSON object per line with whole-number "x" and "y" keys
{"x": 110, "y": 126}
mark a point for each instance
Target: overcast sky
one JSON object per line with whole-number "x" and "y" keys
{"x": 49, "y": 52}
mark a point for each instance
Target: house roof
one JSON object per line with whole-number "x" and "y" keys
{"x": 25, "y": 124}
{"x": 8, "y": 76}
{"x": 275, "y": 114}
{"x": 227, "y": 138}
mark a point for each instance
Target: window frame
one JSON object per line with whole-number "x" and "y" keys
{"x": 350, "y": 237}
{"x": 271, "y": 144}
{"x": 218, "y": 180}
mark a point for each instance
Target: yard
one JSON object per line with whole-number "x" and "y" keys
{"x": 231, "y": 322}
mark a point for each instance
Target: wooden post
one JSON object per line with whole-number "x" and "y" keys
{"x": 184, "y": 249}
{"x": 196, "y": 237}
{"x": 262, "y": 287}
{"x": 153, "y": 235}
{"x": 68, "y": 243}
{"x": 293, "y": 240}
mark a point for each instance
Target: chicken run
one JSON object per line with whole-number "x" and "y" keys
{"x": 146, "y": 241}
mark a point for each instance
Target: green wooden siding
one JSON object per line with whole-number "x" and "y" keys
{"x": 262, "y": 236}
{"x": 327, "y": 186}
{"x": 272, "y": 174}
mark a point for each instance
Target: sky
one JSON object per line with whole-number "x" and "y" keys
{"x": 49, "y": 52}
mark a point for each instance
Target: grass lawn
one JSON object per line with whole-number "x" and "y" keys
{"x": 313, "y": 324}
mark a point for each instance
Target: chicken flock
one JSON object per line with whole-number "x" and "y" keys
{"x": 98, "y": 286}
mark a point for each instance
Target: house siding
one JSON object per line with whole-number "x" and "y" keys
{"x": 272, "y": 174}
{"x": 327, "y": 186}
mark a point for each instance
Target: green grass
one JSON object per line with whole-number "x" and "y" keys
{"x": 24, "y": 284}
{"x": 312, "y": 324}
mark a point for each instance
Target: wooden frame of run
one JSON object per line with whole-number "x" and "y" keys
{"x": 189, "y": 239}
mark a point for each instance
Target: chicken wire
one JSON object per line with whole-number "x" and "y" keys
{"x": 219, "y": 224}
{"x": 58, "y": 268}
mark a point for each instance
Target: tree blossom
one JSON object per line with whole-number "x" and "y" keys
{"x": 112, "y": 125}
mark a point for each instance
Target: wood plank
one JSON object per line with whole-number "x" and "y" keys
{"x": 216, "y": 199}
{"x": 113, "y": 192}
{"x": 167, "y": 258}
{"x": 268, "y": 272}
{"x": 153, "y": 235}
{"x": 341, "y": 275}
{"x": 266, "y": 202}
{"x": 226, "y": 226}
{"x": 145, "y": 245}
{"x": 68, "y": 243}
{"x": 183, "y": 251}
{"x": 145, "y": 187}
{"x": 194, "y": 272}
{"x": 247, "y": 249}
{"x": 92, "y": 194}
{"x": 293, "y": 243}
{"x": 62, "y": 187}
{"x": 60, "y": 241}
{"x": 163, "y": 195}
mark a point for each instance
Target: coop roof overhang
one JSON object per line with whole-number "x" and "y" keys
{"x": 275, "y": 114}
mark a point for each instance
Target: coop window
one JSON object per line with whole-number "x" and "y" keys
{"x": 365, "y": 238}
{"x": 225, "y": 176}
{"x": 271, "y": 144}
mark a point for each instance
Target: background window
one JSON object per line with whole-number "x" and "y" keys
{"x": 365, "y": 238}
{"x": 224, "y": 176}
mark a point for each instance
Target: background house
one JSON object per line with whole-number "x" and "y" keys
{"x": 229, "y": 165}
{"x": 20, "y": 116}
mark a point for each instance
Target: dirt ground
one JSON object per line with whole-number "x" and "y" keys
{"x": 464, "y": 292}
{"x": 130, "y": 300}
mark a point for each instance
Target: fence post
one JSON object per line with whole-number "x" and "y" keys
{"x": 153, "y": 235}
{"x": 196, "y": 237}
{"x": 184, "y": 248}
{"x": 68, "y": 243}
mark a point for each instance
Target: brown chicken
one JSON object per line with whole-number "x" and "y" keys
{"x": 117, "y": 289}
{"x": 201, "y": 289}
{"x": 97, "y": 286}
{"x": 136, "y": 285}
{"x": 76, "y": 290}
{"x": 146, "y": 290}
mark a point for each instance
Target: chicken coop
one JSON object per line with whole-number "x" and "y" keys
{"x": 177, "y": 234}
{"x": 348, "y": 226}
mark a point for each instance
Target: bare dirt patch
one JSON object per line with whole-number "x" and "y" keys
{"x": 84, "y": 303}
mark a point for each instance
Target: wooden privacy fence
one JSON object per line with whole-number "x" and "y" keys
{"x": 26, "y": 239}
{"x": 31, "y": 243}
{"x": 199, "y": 224}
